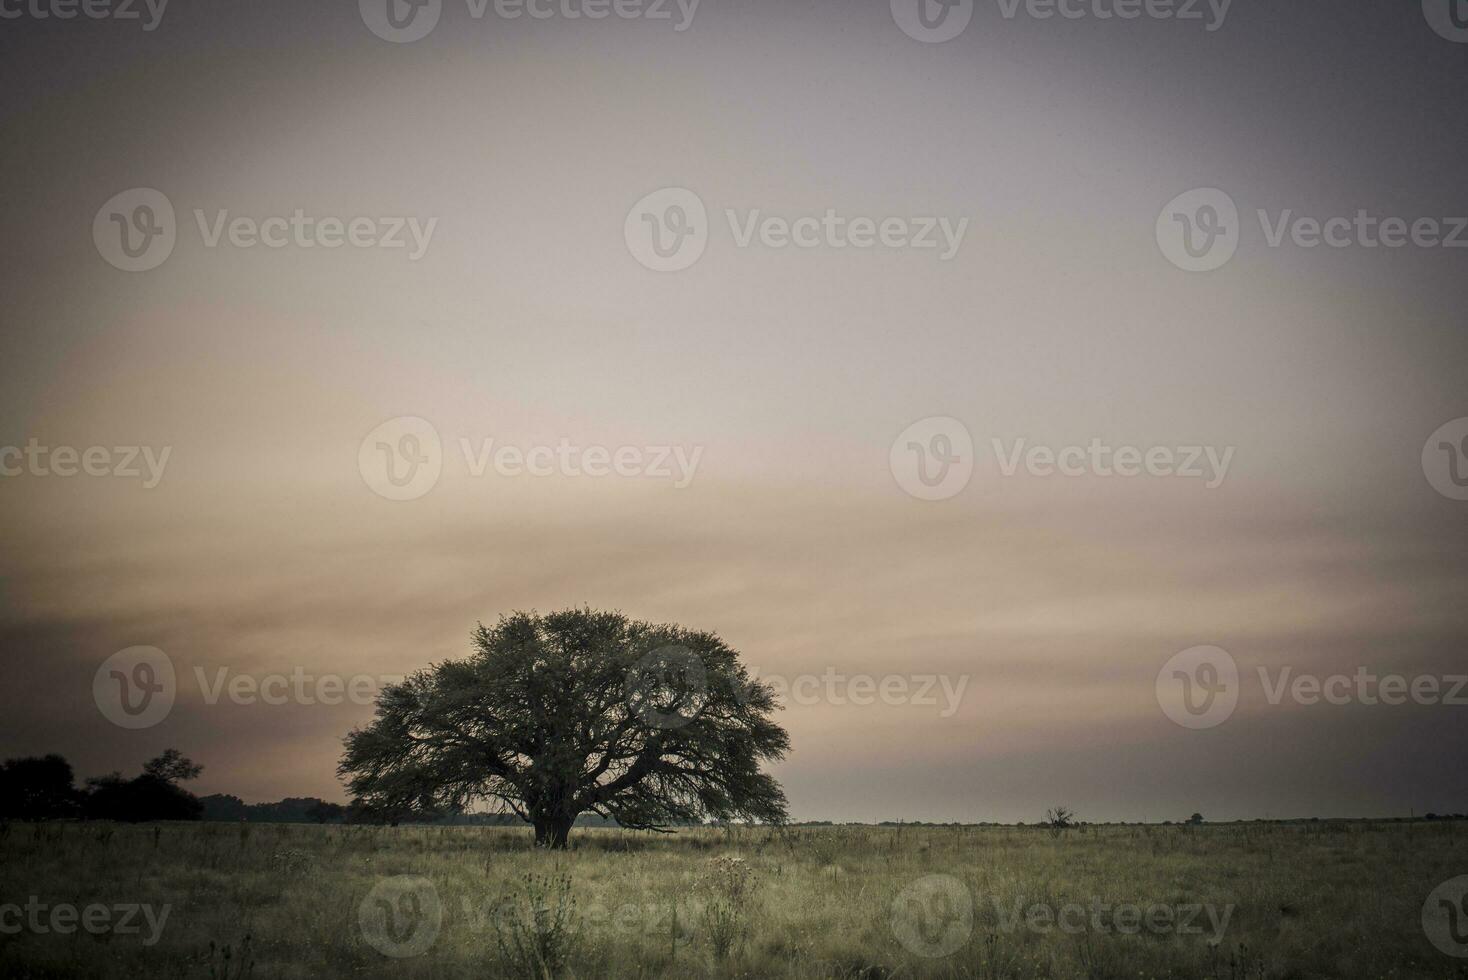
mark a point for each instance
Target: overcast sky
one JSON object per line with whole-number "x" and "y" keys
{"x": 766, "y": 396}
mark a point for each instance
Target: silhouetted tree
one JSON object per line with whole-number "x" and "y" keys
{"x": 172, "y": 767}
{"x": 155, "y": 795}
{"x": 322, "y": 812}
{"x": 556, "y": 715}
{"x": 1196, "y": 819}
{"x": 37, "y": 789}
{"x": 1059, "y": 819}
{"x": 223, "y": 806}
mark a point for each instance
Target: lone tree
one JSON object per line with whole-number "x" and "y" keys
{"x": 1060, "y": 819}
{"x": 575, "y": 711}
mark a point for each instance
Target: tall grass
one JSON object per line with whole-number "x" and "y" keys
{"x": 1305, "y": 901}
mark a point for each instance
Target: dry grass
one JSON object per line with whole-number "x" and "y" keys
{"x": 1310, "y": 900}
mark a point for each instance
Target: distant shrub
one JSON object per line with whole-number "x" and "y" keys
{"x": 1059, "y": 819}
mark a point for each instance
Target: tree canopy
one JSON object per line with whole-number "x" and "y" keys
{"x": 572, "y": 712}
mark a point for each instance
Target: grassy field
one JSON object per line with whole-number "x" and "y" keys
{"x": 277, "y": 900}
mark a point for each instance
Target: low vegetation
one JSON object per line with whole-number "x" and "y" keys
{"x": 1261, "y": 900}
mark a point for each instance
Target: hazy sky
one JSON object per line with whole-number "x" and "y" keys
{"x": 268, "y": 545}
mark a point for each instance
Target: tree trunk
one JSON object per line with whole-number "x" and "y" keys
{"x": 552, "y": 831}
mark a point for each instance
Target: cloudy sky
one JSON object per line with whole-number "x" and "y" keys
{"x": 832, "y": 453}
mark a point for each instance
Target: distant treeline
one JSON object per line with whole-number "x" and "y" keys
{"x": 44, "y": 788}
{"x": 309, "y": 809}
{"x": 1040, "y": 824}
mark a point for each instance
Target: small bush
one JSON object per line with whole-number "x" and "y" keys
{"x": 535, "y": 929}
